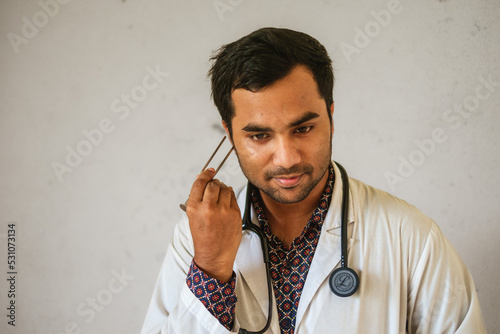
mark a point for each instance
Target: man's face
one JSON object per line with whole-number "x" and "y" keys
{"x": 282, "y": 136}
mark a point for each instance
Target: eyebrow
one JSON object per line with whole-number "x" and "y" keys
{"x": 252, "y": 127}
{"x": 304, "y": 118}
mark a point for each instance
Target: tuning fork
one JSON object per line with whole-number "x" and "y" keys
{"x": 183, "y": 205}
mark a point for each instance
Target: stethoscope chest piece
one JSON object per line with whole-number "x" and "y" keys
{"x": 344, "y": 282}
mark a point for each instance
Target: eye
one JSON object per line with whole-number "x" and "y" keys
{"x": 259, "y": 136}
{"x": 303, "y": 129}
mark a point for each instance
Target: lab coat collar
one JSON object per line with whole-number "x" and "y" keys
{"x": 333, "y": 217}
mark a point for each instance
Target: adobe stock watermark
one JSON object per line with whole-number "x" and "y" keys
{"x": 230, "y": 169}
{"x": 223, "y": 6}
{"x": 452, "y": 292}
{"x": 94, "y": 304}
{"x": 455, "y": 118}
{"x": 121, "y": 107}
{"x": 31, "y": 27}
{"x": 363, "y": 37}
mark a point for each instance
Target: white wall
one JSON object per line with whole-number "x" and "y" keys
{"x": 116, "y": 209}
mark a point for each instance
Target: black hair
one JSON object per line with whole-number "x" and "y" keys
{"x": 263, "y": 57}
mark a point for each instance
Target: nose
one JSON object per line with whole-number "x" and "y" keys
{"x": 286, "y": 153}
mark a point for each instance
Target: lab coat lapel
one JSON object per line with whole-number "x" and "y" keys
{"x": 249, "y": 264}
{"x": 328, "y": 251}
{"x": 251, "y": 268}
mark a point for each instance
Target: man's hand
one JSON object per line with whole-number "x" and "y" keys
{"x": 215, "y": 223}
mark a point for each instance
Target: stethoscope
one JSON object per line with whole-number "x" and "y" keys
{"x": 343, "y": 281}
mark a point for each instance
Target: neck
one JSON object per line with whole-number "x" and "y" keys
{"x": 287, "y": 221}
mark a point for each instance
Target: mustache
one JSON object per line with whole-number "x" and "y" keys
{"x": 282, "y": 171}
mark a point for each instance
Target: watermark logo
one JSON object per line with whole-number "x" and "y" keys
{"x": 31, "y": 27}
{"x": 363, "y": 37}
{"x": 120, "y": 106}
{"x": 470, "y": 103}
{"x": 417, "y": 157}
{"x": 95, "y": 304}
{"x": 455, "y": 117}
{"x": 104, "y": 296}
{"x": 223, "y": 6}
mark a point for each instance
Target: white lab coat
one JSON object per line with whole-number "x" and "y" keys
{"x": 411, "y": 278}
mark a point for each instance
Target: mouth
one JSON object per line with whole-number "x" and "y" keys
{"x": 288, "y": 181}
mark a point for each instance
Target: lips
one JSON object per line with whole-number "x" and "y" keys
{"x": 288, "y": 181}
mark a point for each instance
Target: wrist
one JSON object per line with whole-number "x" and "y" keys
{"x": 220, "y": 271}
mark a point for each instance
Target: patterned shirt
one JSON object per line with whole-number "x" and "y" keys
{"x": 289, "y": 268}
{"x": 218, "y": 297}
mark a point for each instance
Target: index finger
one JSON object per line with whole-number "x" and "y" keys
{"x": 199, "y": 185}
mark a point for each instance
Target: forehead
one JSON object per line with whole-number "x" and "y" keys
{"x": 284, "y": 100}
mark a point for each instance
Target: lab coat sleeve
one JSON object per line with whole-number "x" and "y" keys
{"x": 173, "y": 308}
{"x": 442, "y": 297}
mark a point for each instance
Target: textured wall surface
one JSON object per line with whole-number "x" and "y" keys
{"x": 106, "y": 118}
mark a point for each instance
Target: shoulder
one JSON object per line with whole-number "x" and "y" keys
{"x": 377, "y": 210}
{"x": 389, "y": 224}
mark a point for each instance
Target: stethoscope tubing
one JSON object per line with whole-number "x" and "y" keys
{"x": 249, "y": 226}
{"x": 345, "y": 212}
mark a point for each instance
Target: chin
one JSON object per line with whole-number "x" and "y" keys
{"x": 287, "y": 196}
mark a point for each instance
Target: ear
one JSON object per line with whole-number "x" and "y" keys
{"x": 224, "y": 124}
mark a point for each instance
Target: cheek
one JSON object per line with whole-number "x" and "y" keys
{"x": 252, "y": 155}
{"x": 245, "y": 149}
{"x": 320, "y": 148}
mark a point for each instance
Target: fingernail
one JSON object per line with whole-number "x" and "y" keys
{"x": 211, "y": 169}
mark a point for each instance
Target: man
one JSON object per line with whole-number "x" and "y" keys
{"x": 273, "y": 89}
